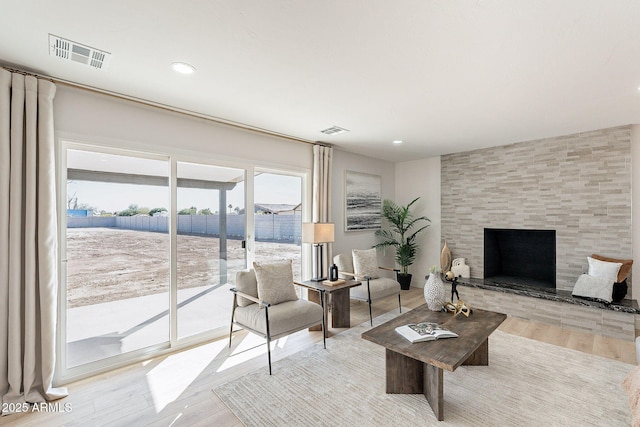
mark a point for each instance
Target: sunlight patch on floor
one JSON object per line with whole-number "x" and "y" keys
{"x": 172, "y": 376}
{"x": 251, "y": 346}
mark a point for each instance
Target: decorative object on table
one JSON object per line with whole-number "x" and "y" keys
{"x": 460, "y": 307}
{"x": 445, "y": 258}
{"x": 334, "y": 282}
{"x": 362, "y": 201}
{"x": 333, "y": 272}
{"x": 460, "y": 269}
{"x": 434, "y": 292}
{"x": 424, "y": 331}
{"x": 317, "y": 233}
{"x": 400, "y": 222}
{"x": 454, "y": 284}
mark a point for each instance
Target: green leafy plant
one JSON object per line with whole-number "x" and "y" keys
{"x": 399, "y": 234}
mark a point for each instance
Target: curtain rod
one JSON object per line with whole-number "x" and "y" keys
{"x": 165, "y": 107}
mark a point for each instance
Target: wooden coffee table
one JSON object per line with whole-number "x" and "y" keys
{"x": 418, "y": 368}
{"x": 340, "y": 306}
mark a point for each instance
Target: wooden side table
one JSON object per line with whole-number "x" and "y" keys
{"x": 340, "y": 307}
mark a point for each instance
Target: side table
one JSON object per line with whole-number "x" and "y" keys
{"x": 340, "y": 307}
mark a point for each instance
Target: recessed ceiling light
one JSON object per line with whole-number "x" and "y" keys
{"x": 183, "y": 67}
{"x": 398, "y": 141}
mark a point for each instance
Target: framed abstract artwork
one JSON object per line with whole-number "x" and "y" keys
{"x": 363, "y": 202}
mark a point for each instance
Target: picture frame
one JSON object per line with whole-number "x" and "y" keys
{"x": 363, "y": 201}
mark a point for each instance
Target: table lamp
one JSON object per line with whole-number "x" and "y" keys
{"x": 317, "y": 233}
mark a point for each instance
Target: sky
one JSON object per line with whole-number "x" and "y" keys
{"x": 110, "y": 197}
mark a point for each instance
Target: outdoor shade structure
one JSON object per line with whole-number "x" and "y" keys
{"x": 317, "y": 233}
{"x": 194, "y": 178}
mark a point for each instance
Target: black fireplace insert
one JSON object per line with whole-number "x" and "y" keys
{"x": 520, "y": 256}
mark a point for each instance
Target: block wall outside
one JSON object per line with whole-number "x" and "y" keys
{"x": 284, "y": 228}
{"x": 578, "y": 185}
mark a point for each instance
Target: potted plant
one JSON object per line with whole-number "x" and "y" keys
{"x": 399, "y": 234}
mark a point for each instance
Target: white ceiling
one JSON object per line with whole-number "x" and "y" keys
{"x": 442, "y": 75}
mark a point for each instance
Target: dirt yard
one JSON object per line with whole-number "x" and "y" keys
{"x": 109, "y": 264}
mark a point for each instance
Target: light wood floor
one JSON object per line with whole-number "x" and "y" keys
{"x": 175, "y": 390}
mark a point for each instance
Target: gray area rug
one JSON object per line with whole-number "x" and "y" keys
{"x": 527, "y": 383}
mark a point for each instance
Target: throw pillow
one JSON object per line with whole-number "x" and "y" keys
{"x": 597, "y": 288}
{"x": 604, "y": 269}
{"x": 275, "y": 282}
{"x": 624, "y": 270}
{"x": 365, "y": 262}
{"x": 246, "y": 283}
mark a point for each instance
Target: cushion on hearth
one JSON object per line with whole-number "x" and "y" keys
{"x": 598, "y": 288}
{"x": 604, "y": 269}
{"x": 625, "y": 269}
{"x": 619, "y": 291}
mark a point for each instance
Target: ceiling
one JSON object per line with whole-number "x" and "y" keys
{"x": 441, "y": 75}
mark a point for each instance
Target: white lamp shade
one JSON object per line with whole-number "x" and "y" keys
{"x": 317, "y": 232}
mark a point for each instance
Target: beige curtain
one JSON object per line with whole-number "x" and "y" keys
{"x": 322, "y": 191}
{"x": 28, "y": 240}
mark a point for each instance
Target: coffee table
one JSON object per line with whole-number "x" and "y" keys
{"x": 418, "y": 368}
{"x": 340, "y": 307}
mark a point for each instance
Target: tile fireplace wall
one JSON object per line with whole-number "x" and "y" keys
{"x": 578, "y": 185}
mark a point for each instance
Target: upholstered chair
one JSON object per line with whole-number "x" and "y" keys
{"x": 363, "y": 265}
{"x": 265, "y": 303}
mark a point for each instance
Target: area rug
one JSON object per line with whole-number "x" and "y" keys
{"x": 527, "y": 383}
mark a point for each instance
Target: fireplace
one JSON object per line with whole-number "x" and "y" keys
{"x": 523, "y": 257}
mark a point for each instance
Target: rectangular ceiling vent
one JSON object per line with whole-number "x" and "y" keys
{"x": 72, "y": 51}
{"x": 334, "y": 130}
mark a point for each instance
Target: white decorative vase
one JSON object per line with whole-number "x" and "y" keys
{"x": 434, "y": 292}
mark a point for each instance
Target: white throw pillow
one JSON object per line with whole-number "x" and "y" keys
{"x": 598, "y": 288}
{"x": 604, "y": 269}
{"x": 275, "y": 281}
{"x": 365, "y": 262}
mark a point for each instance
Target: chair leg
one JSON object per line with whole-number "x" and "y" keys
{"x": 266, "y": 314}
{"x": 269, "y": 353}
{"x": 324, "y": 325}
{"x": 369, "y": 300}
{"x": 233, "y": 311}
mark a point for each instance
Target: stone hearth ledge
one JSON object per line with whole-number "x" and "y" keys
{"x": 624, "y": 306}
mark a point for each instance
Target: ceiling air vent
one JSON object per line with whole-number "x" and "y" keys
{"x": 334, "y": 130}
{"x": 72, "y": 51}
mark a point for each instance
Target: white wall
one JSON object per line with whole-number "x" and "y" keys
{"x": 421, "y": 178}
{"x": 345, "y": 241}
{"x": 635, "y": 209}
{"x": 87, "y": 116}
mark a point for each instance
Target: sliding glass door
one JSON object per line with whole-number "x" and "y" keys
{"x": 117, "y": 253}
{"x": 210, "y": 244}
{"x": 278, "y": 218}
{"x": 150, "y": 246}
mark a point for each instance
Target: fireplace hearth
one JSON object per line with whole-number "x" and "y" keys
{"x": 520, "y": 256}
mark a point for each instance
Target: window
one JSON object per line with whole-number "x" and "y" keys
{"x": 149, "y": 254}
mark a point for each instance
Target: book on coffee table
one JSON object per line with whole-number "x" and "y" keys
{"x": 424, "y": 331}
{"x": 334, "y": 282}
